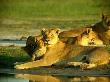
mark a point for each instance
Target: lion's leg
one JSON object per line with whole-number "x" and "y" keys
{"x": 74, "y": 63}
{"x": 33, "y": 64}
{"x": 87, "y": 66}
{"x": 33, "y": 57}
{"x": 46, "y": 61}
{"x": 82, "y": 65}
{"x": 54, "y": 55}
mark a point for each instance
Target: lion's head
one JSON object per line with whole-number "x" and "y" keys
{"x": 39, "y": 43}
{"x": 50, "y": 36}
{"x": 106, "y": 21}
{"x": 35, "y": 41}
{"x": 32, "y": 43}
{"x": 91, "y": 38}
{"x": 39, "y": 50}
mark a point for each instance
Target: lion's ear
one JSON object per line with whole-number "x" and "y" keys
{"x": 43, "y": 30}
{"x": 89, "y": 30}
{"x": 104, "y": 16}
{"x": 57, "y": 30}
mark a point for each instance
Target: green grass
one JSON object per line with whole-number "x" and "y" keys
{"x": 53, "y": 8}
{"x": 23, "y": 17}
{"x": 11, "y": 55}
{"x": 108, "y": 47}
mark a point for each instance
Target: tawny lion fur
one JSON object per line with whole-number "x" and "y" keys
{"x": 62, "y": 53}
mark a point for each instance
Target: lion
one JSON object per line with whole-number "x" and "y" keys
{"x": 36, "y": 46}
{"x": 39, "y": 51}
{"x": 94, "y": 39}
{"x": 89, "y": 38}
{"x": 50, "y": 36}
{"x": 102, "y": 29}
{"x": 48, "y": 39}
{"x": 62, "y": 54}
{"x": 74, "y": 32}
{"x": 72, "y": 36}
{"x": 85, "y": 38}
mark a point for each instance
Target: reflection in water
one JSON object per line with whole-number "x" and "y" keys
{"x": 11, "y": 78}
{"x": 48, "y": 78}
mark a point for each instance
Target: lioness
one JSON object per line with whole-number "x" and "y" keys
{"x": 72, "y": 36}
{"x": 89, "y": 38}
{"x": 35, "y": 46}
{"x": 73, "y": 33}
{"x": 61, "y": 53}
{"x": 50, "y": 36}
{"x": 86, "y": 37}
{"x": 40, "y": 50}
{"x": 102, "y": 29}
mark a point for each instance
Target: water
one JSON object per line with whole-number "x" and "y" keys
{"x": 12, "y": 42}
{"x": 50, "y": 78}
{"x": 11, "y": 78}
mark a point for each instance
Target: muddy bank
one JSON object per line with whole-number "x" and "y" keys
{"x": 59, "y": 71}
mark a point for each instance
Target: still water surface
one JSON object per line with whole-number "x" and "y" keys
{"x": 50, "y": 78}
{"x": 12, "y": 42}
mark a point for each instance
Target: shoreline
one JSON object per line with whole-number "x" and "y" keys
{"x": 59, "y": 71}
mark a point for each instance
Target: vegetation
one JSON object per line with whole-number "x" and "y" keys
{"x": 23, "y": 17}
{"x": 53, "y": 8}
{"x": 10, "y": 55}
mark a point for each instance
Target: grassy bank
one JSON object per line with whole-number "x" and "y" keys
{"x": 11, "y": 55}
